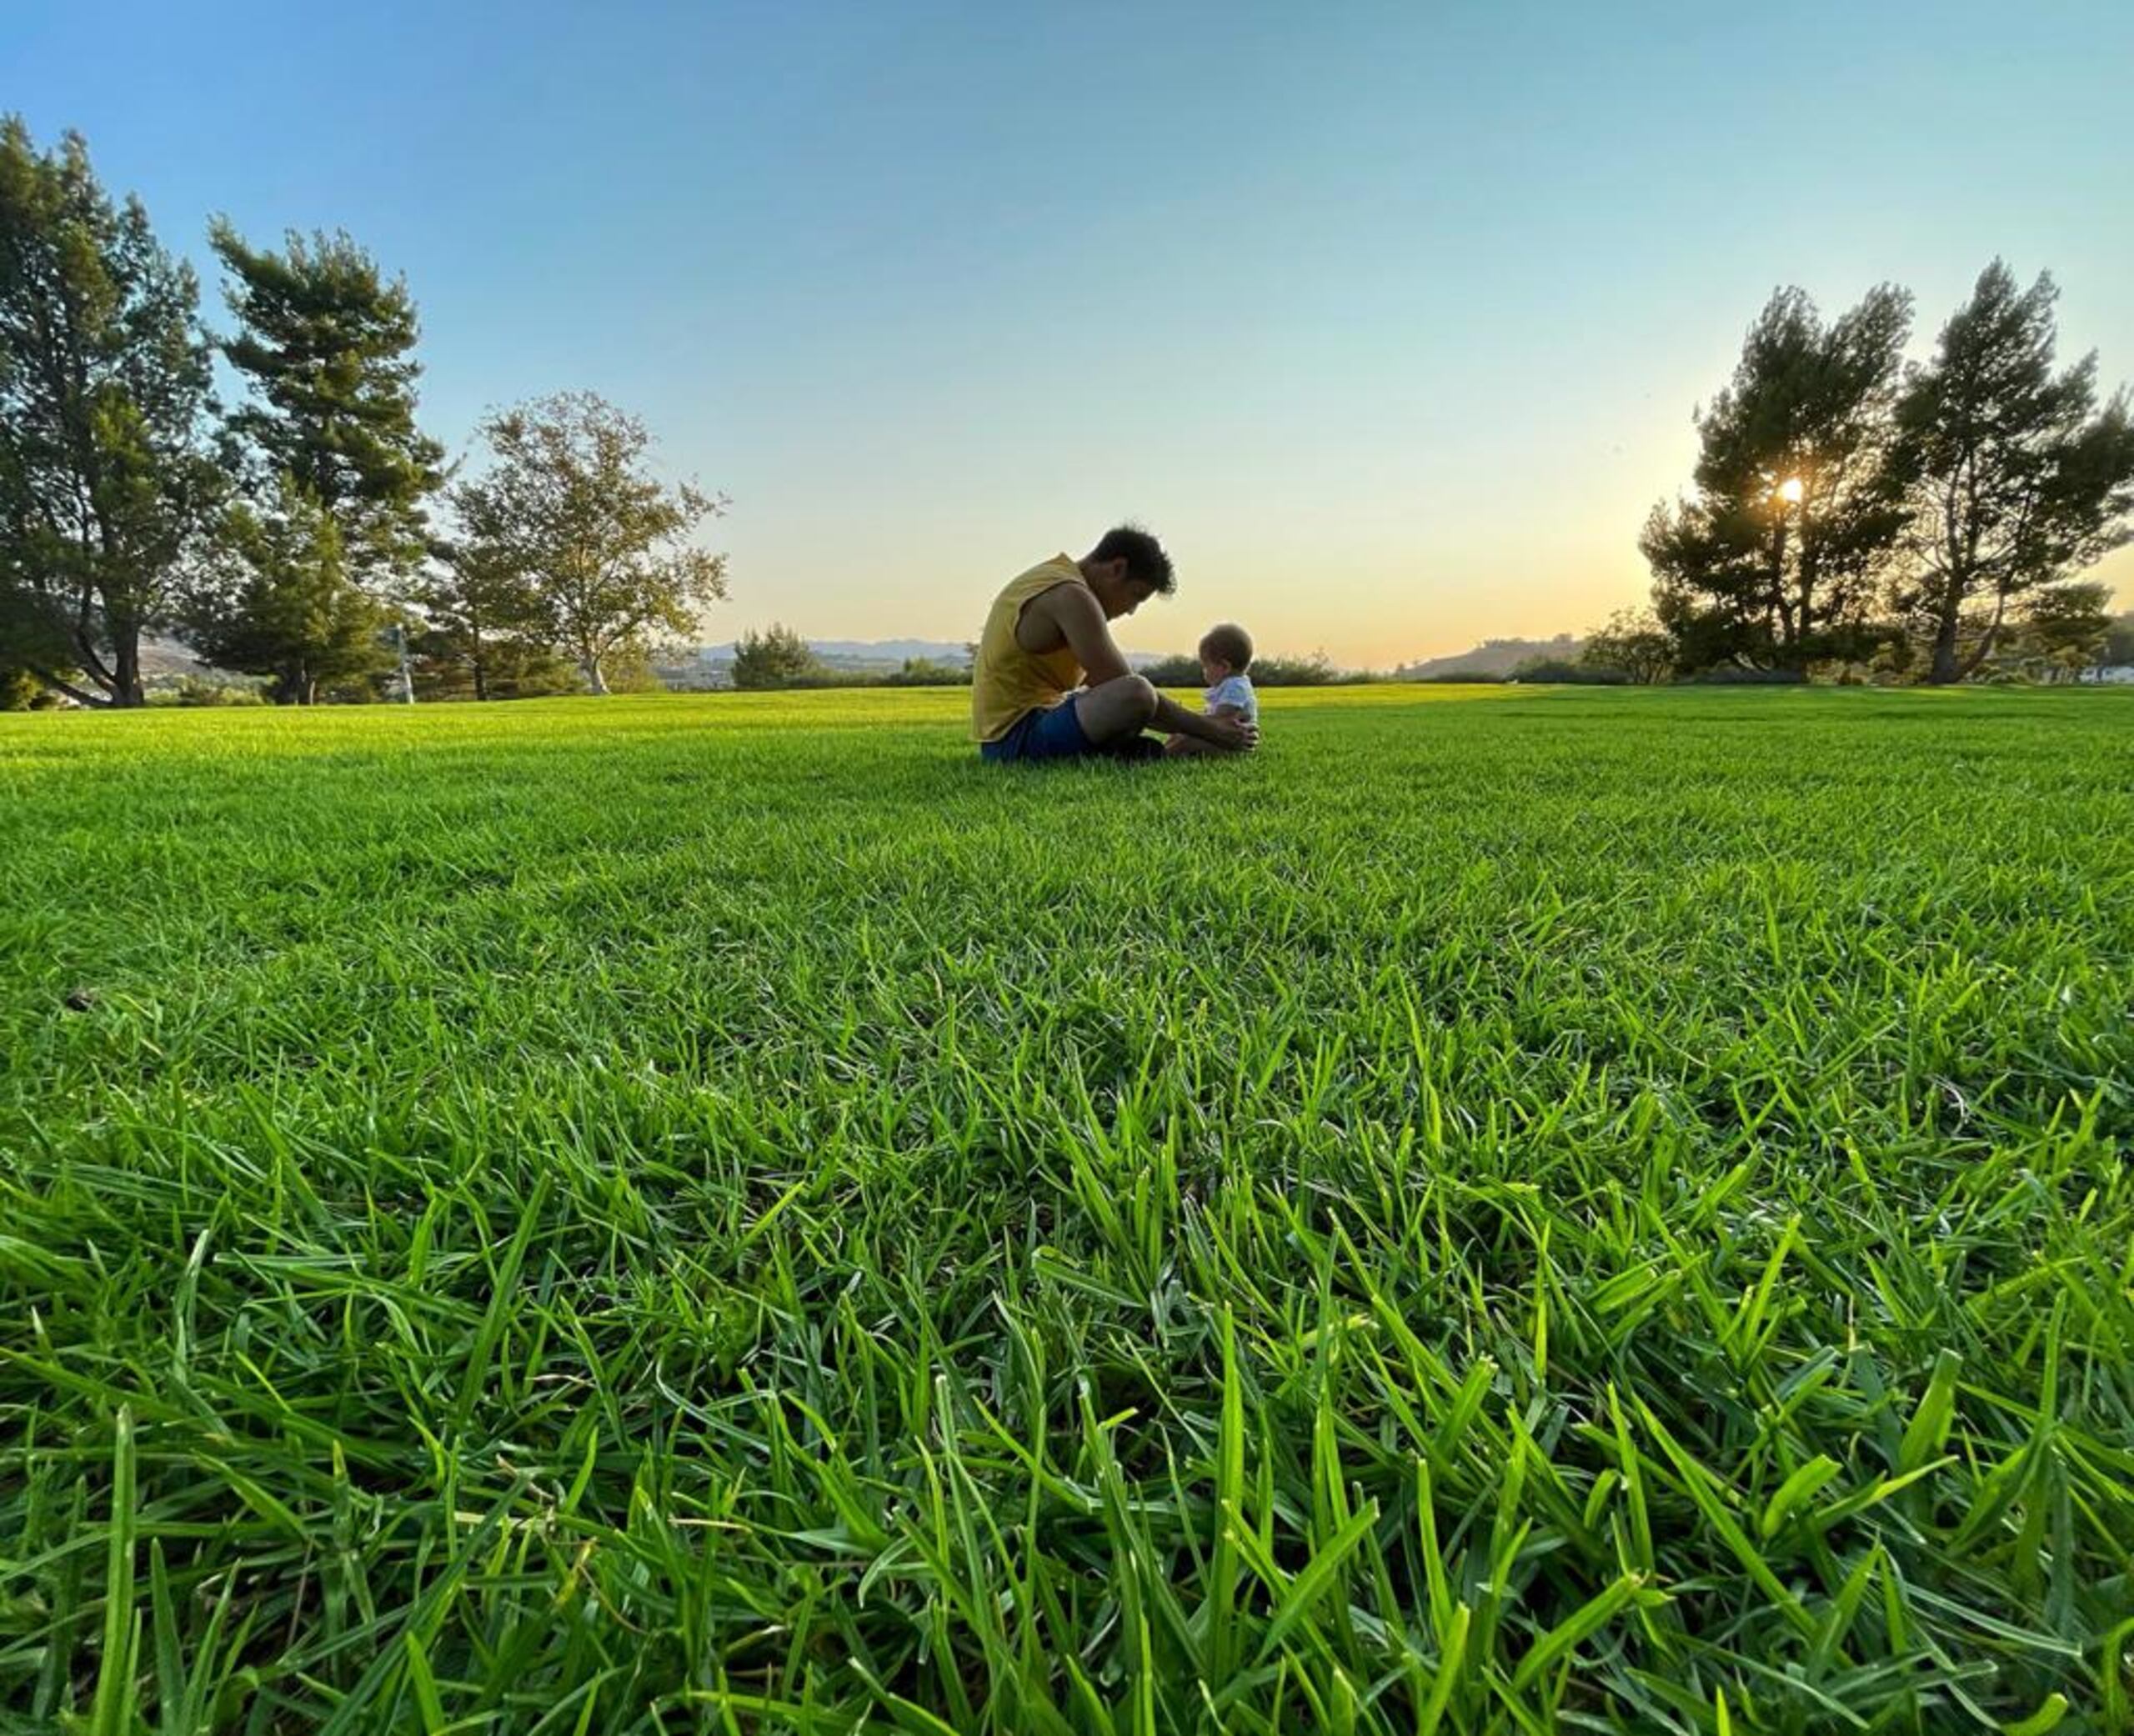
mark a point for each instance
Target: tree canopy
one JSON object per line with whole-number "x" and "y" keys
{"x": 776, "y": 657}
{"x": 326, "y": 345}
{"x": 570, "y": 510}
{"x": 105, "y": 479}
{"x": 1634, "y": 641}
{"x": 2016, "y": 477}
{"x": 283, "y": 602}
{"x": 1773, "y": 560}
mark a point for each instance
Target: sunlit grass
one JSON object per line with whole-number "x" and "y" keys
{"x": 1570, "y": 1210}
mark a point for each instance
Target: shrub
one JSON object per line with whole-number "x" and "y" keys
{"x": 1731, "y": 675}
{"x": 777, "y": 657}
{"x": 1297, "y": 672}
{"x": 1562, "y": 670}
{"x": 1177, "y": 671}
{"x": 927, "y": 672}
{"x": 195, "y": 690}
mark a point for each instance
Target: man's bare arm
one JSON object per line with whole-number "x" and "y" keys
{"x": 1080, "y": 620}
{"x": 1075, "y": 613}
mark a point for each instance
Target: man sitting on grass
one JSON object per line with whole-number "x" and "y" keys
{"x": 1050, "y": 683}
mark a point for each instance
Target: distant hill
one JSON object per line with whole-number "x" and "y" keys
{"x": 1495, "y": 656}
{"x": 160, "y": 656}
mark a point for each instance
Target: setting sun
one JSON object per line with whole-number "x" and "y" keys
{"x": 1791, "y": 490}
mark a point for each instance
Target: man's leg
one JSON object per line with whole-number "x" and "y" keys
{"x": 1118, "y": 709}
{"x": 1104, "y": 723}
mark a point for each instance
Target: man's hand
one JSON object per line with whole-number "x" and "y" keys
{"x": 1227, "y": 731}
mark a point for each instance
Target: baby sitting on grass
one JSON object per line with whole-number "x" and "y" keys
{"x": 1225, "y": 655}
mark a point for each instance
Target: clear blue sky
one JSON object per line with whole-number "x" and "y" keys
{"x": 1390, "y": 318}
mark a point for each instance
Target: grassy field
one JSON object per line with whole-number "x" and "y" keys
{"x": 1507, "y": 1213}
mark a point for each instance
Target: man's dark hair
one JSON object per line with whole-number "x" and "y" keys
{"x": 1146, "y": 562}
{"x": 1230, "y": 642}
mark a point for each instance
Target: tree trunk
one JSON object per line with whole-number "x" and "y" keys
{"x": 1943, "y": 672}
{"x": 1957, "y": 575}
{"x": 127, "y": 687}
{"x": 595, "y": 681}
{"x": 1776, "y": 608}
{"x": 1804, "y": 617}
{"x": 481, "y": 674}
{"x": 1987, "y": 640}
{"x": 59, "y": 684}
{"x": 86, "y": 658}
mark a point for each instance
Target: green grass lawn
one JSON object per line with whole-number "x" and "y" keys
{"x": 1508, "y": 1212}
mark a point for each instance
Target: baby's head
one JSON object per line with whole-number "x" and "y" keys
{"x": 1225, "y": 651}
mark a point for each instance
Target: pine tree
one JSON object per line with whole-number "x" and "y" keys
{"x": 1775, "y": 559}
{"x": 326, "y": 345}
{"x": 104, "y": 477}
{"x": 2017, "y": 478}
{"x": 485, "y": 626}
{"x": 776, "y": 657}
{"x": 284, "y": 604}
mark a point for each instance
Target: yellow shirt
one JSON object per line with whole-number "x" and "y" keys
{"x": 1005, "y": 680}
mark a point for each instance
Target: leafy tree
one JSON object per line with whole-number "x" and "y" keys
{"x": 2017, "y": 478}
{"x": 19, "y": 689}
{"x": 2119, "y": 641}
{"x": 629, "y": 671}
{"x": 1633, "y": 641}
{"x": 776, "y": 657}
{"x": 1773, "y": 560}
{"x": 571, "y": 511}
{"x": 2066, "y": 625}
{"x": 510, "y": 668}
{"x": 326, "y": 345}
{"x": 104, "y": 478}
{"x": 282, "y": 602}
{"x": 485, "y": 622}
{"x": 26, "y": 637}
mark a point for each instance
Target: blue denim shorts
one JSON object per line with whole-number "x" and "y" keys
{"x": 1057, "y": 733}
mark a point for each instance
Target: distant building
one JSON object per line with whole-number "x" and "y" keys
{"x": 2108, "y": 675}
